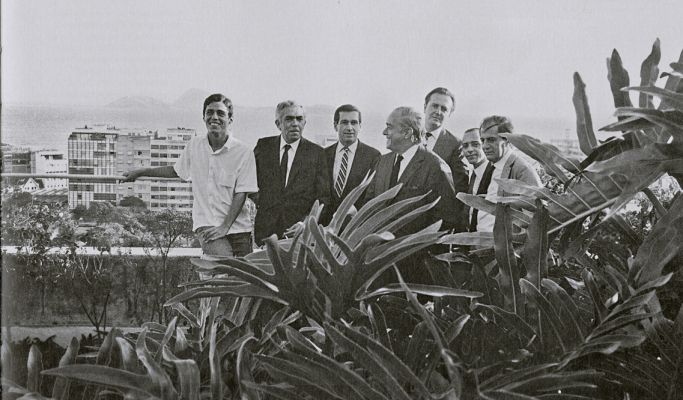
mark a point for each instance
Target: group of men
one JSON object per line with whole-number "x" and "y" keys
{"x": 286, "y": 174}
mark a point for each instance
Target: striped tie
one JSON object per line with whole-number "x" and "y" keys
{"x": 341, "y": 177}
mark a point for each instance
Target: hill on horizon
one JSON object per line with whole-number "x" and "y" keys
{"x": 138, "y": 102}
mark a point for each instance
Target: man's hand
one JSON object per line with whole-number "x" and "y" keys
{"x": 132, "y": 175}
{"x": 214, "y": 232}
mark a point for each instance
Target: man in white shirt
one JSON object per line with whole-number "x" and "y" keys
{"x": 222, "y": 171}
{"x": 507, "y": 163}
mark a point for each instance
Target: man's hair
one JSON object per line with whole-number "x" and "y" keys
{"x": 472, "y": 130}
{"x": 345, "y": 108}
{"x": 499, "y": 123}
{"x": 412, "y": 119}
{"x": 283, "y": 105}
{"x": 440, "y": 90}
{"x": 218, "y": 98}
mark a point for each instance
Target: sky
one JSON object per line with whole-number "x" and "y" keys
{"x": 498, "y": 57}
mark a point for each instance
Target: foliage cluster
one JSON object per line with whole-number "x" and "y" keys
{"x": 302, "y": 319}
{"x": 50, "y": 253}
{"x": 79, "y": 290}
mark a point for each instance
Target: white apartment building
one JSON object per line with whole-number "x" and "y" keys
{"x": 50, "y": 162}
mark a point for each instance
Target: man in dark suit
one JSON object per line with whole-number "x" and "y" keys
{"x": 438, "y": 106}
{"x": 349, "y": 160}
{"x": 480, "y": 178}
{"x": 419, "y": 170}
{"x": 291, "y": 173}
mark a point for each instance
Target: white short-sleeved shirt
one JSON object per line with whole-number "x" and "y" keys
{"x": 216, "y": 176}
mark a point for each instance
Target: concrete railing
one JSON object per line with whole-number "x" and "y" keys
{"x": 80, "y": 176}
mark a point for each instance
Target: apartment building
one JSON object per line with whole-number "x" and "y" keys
{"x": 108, "y": 151}
{"x": 50, "y": 162}
{"x": 156, "y": 150}
{"x": 16, "y": 159}
{"x": 92, "y": 151}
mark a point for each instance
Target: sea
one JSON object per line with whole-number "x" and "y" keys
{"x": 49, "y": 126}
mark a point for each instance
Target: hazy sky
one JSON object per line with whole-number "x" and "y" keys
{"x": 506, "y": 57}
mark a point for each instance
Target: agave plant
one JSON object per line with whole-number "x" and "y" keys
{"x": 324, "y": 271}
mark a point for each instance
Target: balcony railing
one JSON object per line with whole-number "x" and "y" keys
{"x": 114, "y": 178}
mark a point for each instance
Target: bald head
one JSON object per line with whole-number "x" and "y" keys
{"x": 405, "y": 126}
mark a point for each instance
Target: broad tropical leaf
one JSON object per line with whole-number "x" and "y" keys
{"x": 584, "y": 122}
{"x": 649, "y": 71}
{"x": 618, "y": 78}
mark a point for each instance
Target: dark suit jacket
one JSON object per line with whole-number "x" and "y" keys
{"x": 449, "y": 148}
{"x": 425, "y": 172}
{"x": 279, "y": 208}
{"x": 364, "y": 160}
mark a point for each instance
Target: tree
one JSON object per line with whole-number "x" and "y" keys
{"x": 163, "y": 230}
{"x": 132, "y": 201}
{"x": 35, "y": 229}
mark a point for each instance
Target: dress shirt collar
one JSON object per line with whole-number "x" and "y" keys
{"x": 294, "y": 145}
{"x": 227, "y": 145}
{"x": 481, "y": 169}
{"x": 408, "y": 154}
{"x": 436, "y": 132}
{"x": 352, "y": 147}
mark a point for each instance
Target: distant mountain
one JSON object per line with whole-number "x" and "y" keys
{"x": 139, "y": 102}
{"x": 192, "y": 99}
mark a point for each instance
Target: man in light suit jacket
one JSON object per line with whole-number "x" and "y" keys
{"x": 438, "y": 106}
{"x": 506, "y": 162}
{"x": 349, "y": 160}
{"x": 291, "y": 172}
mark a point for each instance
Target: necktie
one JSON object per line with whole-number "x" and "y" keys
{"x": 482, "y": 189}
{"x": 428, "y": 136}
{"x": 341, "y": 177}
{"x": 394, "y": 171}
{"x": 470, "y": 187}
{"x": 283, "y": 165}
